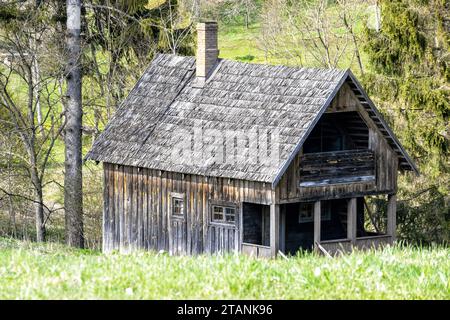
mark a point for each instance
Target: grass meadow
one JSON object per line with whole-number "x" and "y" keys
{"x": 53, "y": 271}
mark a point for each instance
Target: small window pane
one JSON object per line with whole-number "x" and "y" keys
{"x": 229, "y": 214}
{"x": 177, "y": 206}
{"x": 217, "y": 213}
{"x": 223, "y": 214}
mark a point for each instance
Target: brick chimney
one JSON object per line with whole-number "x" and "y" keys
{"x": 207, "y": 51}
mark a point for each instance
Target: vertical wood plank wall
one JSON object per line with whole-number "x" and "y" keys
{"x": 137, "y": 209}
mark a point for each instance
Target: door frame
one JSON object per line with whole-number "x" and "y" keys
{"x": 181, "y": 219}
{"x": 236, "y": 226}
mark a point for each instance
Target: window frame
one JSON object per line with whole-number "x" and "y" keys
{"x": 174, "y": 196}
{"x": 325, "y": 213}
{"x": 224, "y": 206}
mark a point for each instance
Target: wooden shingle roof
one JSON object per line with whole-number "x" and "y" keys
{"x": 166, "y": 104}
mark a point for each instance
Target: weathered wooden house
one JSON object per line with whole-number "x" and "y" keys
{"x": 211, "y": 155}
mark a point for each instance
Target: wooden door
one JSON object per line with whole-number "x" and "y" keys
{"x": 177, "y": 226}
{"x": 223, "y": 229}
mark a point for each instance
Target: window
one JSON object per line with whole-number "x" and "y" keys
{"x": 222, "y": 214}
{"x": 177, "y": 206}
{"x": 306, "y": 212}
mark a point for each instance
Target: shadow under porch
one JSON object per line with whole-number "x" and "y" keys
{"x": 341, "y": 226}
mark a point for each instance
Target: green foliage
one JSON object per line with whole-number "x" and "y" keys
{"x": 402, "y": 44}
{"x": 410, "y": 54}
{"x": 53, "y": 271}
{"x": 426, "y": 223}
{"x": 411, "y": 85}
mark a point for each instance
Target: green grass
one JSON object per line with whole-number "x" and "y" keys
{"x": 236, "y": 42}
{"x": 52, "y": 271}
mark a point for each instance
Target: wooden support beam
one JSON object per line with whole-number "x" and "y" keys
{"x": 351, "y": 220}
{"x": 391, "y": 216}
{"x": 283, "y": 229}
{"x": 317, "y": 221}
{"x": 274, "y": 229}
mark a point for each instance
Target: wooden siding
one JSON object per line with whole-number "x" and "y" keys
{"x": 337, "y": 166}
{"x": 257, "y": 251}
{"x": 386, "y": 164}
{"x": 137, "y": 210}
{"x": 338, "y": 246}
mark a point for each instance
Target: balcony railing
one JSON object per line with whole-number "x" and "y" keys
{"x": 325, "y": 168}
{"x": 345, "y": 245}
{"x": 256, "y": 250}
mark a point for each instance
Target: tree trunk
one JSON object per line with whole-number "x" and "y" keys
{"x": 35, "y": 75}
{"x": 12, "y": 215}
{"x": 39, "y": 215}
{"x": 355, "y": 42}
{"x": 38, "y": 203}
{"x": 377, "y": 16}
{"x": 247, "y": 14}
{"x": 73, "y": 193}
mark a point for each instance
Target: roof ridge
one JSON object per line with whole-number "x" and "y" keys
{"x": 262, "y": 64}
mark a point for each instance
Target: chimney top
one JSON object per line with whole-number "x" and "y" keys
{"x": 206, "y": 23}
{"x": 207, "y": 50}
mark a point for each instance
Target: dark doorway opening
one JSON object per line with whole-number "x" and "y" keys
{"x": 256, "y": 224}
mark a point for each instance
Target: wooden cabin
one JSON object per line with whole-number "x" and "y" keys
{"x": 209, "y": 155}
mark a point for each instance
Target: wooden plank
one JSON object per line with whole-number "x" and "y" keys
{"x": 164, "y": 216}
{"x": 251, "y": 191}
{"x": 196, "y": 216}
{"x": 106, "y": 212}
{"x": 135, "y": 209}
{"x": 111, "y": 207}
{"x": 189, "y": 226}
{"x": 154, "y": 210}
{"x": 129, "y": 209}
{"x": 317, "y": 222}
{"x": 283, "y": 229}
{"x": 351, "y": 219}
{"x": 142, "y": 203}
{"x": 145, "y": 208}
{"x": 249, "y": 250}
{"x": 202, "y": 207}
{"x": 274, "y": 229}
{"x": 292, "y": 189}
{"x": 116, "y": 232}
{"x": 226, "y": 234}
{"x": 391, "y": 216}
{"x": 121, "y": 205}
{"x": 159, "y": 208}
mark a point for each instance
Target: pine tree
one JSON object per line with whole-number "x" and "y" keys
{"x": 410, "y": 79}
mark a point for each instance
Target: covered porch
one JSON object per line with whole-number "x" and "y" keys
{"x": 329, "y": 227}
{"x": 333, "y": 226}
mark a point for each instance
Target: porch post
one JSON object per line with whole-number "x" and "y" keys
{"x": 283, "y": 229}
{"x": 351, "y": 220}
{"x": 391, "y": 216}
{"x": 317, "y": 218}
{"x": 274, "y": 229}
